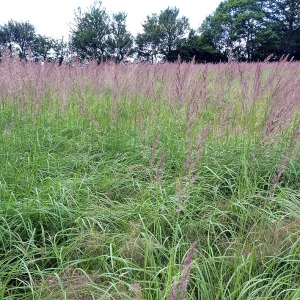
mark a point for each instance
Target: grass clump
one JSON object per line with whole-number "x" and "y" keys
{"x": 173, "y": 181}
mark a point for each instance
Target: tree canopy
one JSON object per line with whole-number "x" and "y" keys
{"x": 164, "y": 35}
{"x": 120, "y": 41}
{"x": 245, "y": 30}
{"x": 17, "y": 36}
{"x": 90, "y": 35}
{"x": 98, "y": 35}
{"x": 250, "y": 30}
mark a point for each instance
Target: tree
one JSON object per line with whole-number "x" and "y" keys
{"x": 120, "y": 41}
{"x": 174, "y": 31}
{"x": 41, "y": 47}
{"x": 60, "y": 48}
{"x": 91, "y": 33}
{"x": 248, "y": 26}
{"x": 237, "y": 27}
{"x": 2, "y": 42}
{"x": 253, "y": 29}
{"x": 148, "y": 42}
{"x": 217, "y": 28}
{"x": 283, "y": 16}
{"x": 163, "y": 35}
{"x": 200, "y": 50}
{"x": 18, "y": 36}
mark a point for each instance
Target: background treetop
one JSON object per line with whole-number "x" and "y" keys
{"x": 244, "y": 30}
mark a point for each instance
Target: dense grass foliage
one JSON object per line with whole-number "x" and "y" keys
{"x": 171, "y": 181}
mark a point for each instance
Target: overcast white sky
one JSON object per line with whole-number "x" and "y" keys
{"x": 52, "y": 18}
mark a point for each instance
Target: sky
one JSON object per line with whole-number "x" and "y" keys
{"x": 53, "y": 18}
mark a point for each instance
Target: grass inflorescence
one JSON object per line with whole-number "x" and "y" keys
{"x": 167, "y": 181}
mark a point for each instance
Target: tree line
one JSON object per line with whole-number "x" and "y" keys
{"x": 243, "y": 30}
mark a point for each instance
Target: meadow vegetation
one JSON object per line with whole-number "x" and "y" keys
{"x": 168, "y": 181}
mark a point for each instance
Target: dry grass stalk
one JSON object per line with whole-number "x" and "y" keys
{"x": 194, "y": 150}
{"x": 290, "y": 154}
{"x": 179, "y": 287}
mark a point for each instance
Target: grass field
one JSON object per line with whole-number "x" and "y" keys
{"x": 168, "y": 181}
